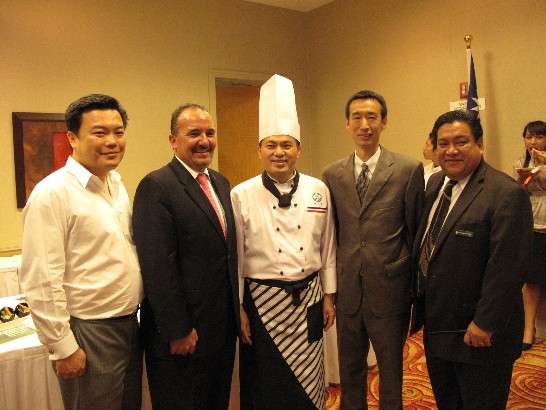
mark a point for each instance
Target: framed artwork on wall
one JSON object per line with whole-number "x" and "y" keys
{"x": 40, "y": 146}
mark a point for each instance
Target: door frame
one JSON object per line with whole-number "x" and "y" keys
{"x": 239, "y": 77}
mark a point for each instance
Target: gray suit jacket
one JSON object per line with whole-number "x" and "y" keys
{"x": 374, "y": 240}
{"x": 476, "y": 269}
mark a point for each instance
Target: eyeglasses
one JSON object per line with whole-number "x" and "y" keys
{"x": 7, "y": 314}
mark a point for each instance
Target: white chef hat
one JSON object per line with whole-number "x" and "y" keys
{"x": 278, "y": 115}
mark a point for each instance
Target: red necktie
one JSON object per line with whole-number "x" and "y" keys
{"x": 204, "y": 182}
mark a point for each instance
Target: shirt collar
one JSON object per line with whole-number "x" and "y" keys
{"x": 283, "y": 183}
{"x": 83, "y": 175}
{"x": 460, "y": 183}
{"x": 371, "y": 163}
{"x": 192, "y": 171}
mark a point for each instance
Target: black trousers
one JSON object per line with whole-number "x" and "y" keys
{"x": 459, "y": 386}
{"x": 190, "y": 382}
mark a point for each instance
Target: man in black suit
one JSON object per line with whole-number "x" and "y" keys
{"x": 185, "y": 237}
{"x": 469, "y": 281}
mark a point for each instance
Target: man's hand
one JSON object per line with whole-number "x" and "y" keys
{"x": 185, "y": 345}
{"x": 328, "y": 311}
{"x": 477, "y": 337}
{"x": 72, "y": 366}
{"x": 245, "y": 327}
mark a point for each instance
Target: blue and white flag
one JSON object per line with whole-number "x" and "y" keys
{"x": 472, "y": 99}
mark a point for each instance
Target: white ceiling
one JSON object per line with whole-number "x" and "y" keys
{"x": 299, "y": 5}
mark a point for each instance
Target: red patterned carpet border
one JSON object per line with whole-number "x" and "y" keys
{"x": 527, "y": 392}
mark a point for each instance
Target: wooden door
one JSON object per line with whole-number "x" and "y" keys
{"x": 237, "y": 112}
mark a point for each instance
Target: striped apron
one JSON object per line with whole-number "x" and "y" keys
{"x": 284, "y": 367}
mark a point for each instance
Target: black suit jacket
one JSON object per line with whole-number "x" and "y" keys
{"x": 476, "y": 269}
{"x": 188, "y": 268}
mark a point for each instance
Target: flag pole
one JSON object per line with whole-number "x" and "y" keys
{"x": 468, "y": 42}
{"x": 472, "y": 103}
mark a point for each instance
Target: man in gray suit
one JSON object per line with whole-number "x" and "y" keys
{"x": 377, "y": 197}
{"x": 469, "y": 282}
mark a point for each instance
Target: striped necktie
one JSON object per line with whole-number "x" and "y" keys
{"x": 362, "y": 183}
{"x": 432, "y": 234}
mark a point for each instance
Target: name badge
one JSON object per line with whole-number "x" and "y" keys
{"x": 466, "y": 234}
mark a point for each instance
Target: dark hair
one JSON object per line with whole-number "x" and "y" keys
{"x": 178, "y": 111}
{"x": 534, "y": 128}
{"x": 366, "y": 95}
{"x": 458, "y": 116}
{"x": 75, "y": 111}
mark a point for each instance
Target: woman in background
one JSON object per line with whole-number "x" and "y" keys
{"x": 530, "y": 171}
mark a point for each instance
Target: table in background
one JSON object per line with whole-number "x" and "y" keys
{"x": 9, "y": 275}
{"x": 27, "y": 379}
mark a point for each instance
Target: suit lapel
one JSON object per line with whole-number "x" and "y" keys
{"x": 196, "y": 194}
{"x": 346, "y": 178}
{"x": 433, "y": 188}
{"x": 470, "y": 191}
{"x": 383, "y": 171}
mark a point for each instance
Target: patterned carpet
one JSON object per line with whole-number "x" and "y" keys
{"x": 528, "y": 390}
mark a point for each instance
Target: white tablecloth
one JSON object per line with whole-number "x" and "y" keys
{"x": 9, "y": 276}
{"x": 27, "y": 379}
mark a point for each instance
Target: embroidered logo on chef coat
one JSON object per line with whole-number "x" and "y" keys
{"x": 318, "y": 201}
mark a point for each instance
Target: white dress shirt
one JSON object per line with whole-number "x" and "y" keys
{"x": 78, "y": 258}
{"x": 429, "y": 170}
{"x": 455, "y": 194}
{"x": 371, "y": 163}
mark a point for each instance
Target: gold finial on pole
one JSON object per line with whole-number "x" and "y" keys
{"x": 468, "y": 40}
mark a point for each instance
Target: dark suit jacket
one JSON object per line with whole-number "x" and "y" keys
{"x": 189, "y": 269}
{"x": 374, "y": 241}
{"x": 476, "y": 269}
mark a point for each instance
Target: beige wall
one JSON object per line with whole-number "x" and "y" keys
{"x": 151, "y": 55}
{"x": 154, "y": 55}
{"x": 413, "y": 53}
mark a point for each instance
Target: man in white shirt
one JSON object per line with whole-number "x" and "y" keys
{"x": 430, "y": 153}
{"x": 80, "y": 271}
{"x": 286, "y": 252}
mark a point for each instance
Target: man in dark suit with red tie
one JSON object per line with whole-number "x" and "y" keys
{"x": 185, "y": 238}
{"x": 469, "y": 272}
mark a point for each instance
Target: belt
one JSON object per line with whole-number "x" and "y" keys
{"x": 118, "y": 318}
{"x": 125, "y": 317}
{"x": 291, "y": 287}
